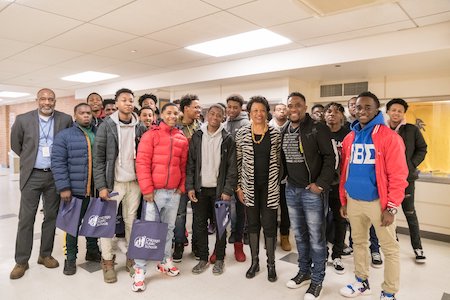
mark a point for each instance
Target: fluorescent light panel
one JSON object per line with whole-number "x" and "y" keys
{"x": 7, "y": 94}
{"x": 239, "y": 43}
{"x": 89, "y": 76}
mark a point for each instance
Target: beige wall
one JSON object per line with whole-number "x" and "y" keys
{"x": 432, "y": 206}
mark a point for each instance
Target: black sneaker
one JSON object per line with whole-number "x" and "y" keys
{"x": 200, "y": 267}
{"x": 70, "y": 267}
{"x": 420, "y": 258}
{"x": 93, "y": 256}
{"x": 377, "y": 262}
{"x": 178, "y": 252}
{"x": 298, "y": 281}
{"x": 313, "y": 291}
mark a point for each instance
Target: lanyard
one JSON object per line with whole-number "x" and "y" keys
{"x": 49, "y": 128}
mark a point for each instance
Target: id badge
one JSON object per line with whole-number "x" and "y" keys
{"x": 46, "y": 151}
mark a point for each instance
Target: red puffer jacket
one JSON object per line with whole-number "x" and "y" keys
{"x": 161, "y": 159}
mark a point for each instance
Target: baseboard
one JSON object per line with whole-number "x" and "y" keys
{"x": 427, "y": 234}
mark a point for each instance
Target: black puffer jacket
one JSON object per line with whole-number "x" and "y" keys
{"x": 416, "y": 148}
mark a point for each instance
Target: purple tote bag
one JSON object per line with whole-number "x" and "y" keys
{"x": 223, "y": 211}
{"x": 100, "y": 219}
{"x": 148, "y": 238}
{"x": 69, "y": 216}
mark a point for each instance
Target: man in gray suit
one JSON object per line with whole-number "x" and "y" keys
{"x": 32, "y": 139}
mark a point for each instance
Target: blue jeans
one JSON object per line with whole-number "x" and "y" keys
{"x": 167, "y": 202}
{"x": 307, "y": 216}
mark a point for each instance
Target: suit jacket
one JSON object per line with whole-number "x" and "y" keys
{"x": 25, "y": 139}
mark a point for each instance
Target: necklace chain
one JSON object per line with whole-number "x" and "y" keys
{"x": 262, "y": 136}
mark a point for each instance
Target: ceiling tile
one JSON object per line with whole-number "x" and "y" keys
{"x": 11, "y": 47}
{"x": 130, "y": 69}
{"x": 142, "y": 46}
{"x": 211, "y": 27}
{"x": 32, "y": 25}
{"x": 146, "y": 16}
{"x": 261, "y": 12}
{"x": 4, "y": 3}
{"x": 172, "y": 58}
{"x": 227, "y": 4}
{"x": 87, "y": 63}
{"x": 424, "y": 8}
{"x": 48, "y": 54}
{"x": 19, "y": 67}
{"x": 84, "y": 10}
{"x": 88, "y": 38}
{"x": 341, "y": 23}
{"x": 5, "y": 75}
{"x": 359, "y": 33}
{"x": 433, "y": 19}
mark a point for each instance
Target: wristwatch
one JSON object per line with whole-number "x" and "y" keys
{"x": 392, "y": 210}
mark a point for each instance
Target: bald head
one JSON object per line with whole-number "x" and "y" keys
{"x": 46, "y": 101}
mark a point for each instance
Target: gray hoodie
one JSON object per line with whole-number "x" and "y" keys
{"x": 233, "y": 125}
{"x": 125, "y": 164}
{"x": 211, "y": 144}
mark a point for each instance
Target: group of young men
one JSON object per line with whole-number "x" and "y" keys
{"x": 361, "y": 171}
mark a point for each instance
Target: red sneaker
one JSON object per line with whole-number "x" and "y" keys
{"x": 239, "y": 252}
{"x": 213, "y": 257}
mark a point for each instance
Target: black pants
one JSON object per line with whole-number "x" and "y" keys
{"x": 285, "y": 223}
{"x": 201, "y": 209}
{"x": 411, "y": 216}
{"x": 72, "y": 241}
{"x": 260, "y": 215}
{"x": 238, "y": 229}
{"x": 339, "y": 223}
{"x": 39, "y": 184}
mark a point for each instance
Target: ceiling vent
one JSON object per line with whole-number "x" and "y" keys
{"x": 331, "y": 90}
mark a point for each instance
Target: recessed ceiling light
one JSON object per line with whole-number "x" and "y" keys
{"x": 239, "y": 43}
{"x": 89, "y": 76}
{"x": 7, "y": 94}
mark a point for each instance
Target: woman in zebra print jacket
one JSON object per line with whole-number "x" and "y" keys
{"x": 258, "y": 147}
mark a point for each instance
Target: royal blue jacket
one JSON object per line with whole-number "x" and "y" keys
{"x": 72, "y": 161}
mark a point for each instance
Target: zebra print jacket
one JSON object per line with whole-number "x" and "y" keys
{"x": 245, "y": 166}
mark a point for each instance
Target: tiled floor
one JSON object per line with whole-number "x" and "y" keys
{"x": 429, "y": 281}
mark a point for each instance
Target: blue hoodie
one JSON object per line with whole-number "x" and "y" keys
{"x": 361, "y": 182}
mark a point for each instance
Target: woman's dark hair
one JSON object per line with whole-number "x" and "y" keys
{"x": 258, "y": 99}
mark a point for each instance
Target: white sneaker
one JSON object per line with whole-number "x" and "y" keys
{"x": 338, "y": 266}
{"x": 377, "y": 262}
{"x": 420, "y": 257}
{"x": 138, "y": 280}
{"x": 358, "y": 288}
{"x": 168, "y": 268}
